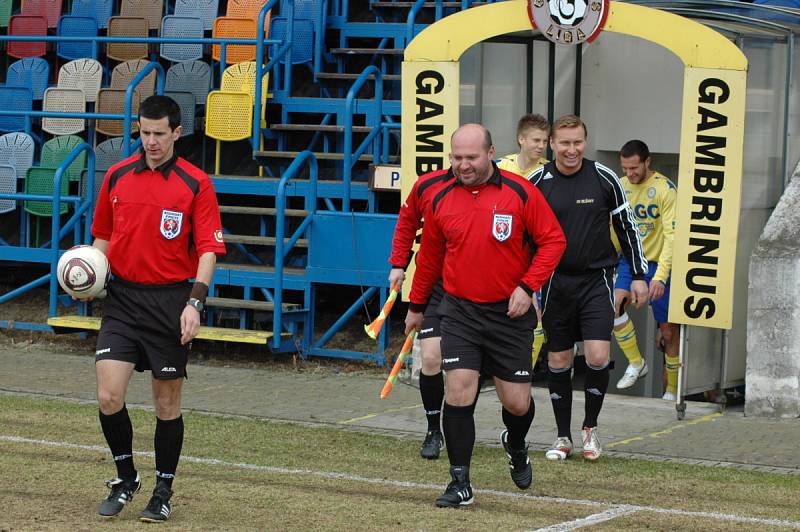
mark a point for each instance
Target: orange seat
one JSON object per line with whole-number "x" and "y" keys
{"x": 240, "y": 28}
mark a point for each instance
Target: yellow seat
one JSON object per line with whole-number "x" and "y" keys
{"x": 241, "y": 77}
{"x": 229, "y": 118}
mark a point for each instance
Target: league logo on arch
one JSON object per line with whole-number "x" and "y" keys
{"x": 501, "y": 227}
{"x": 568, "y": 21}
{"x": 171, "y": 223}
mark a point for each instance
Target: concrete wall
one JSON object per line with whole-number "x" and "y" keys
{"x": 773, "y": 313}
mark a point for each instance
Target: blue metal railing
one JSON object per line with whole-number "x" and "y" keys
{"x": 281, "y": 249}
{"x": 349, "y": 156}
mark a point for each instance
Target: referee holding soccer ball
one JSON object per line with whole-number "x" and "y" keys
{"x": 157, "y": 220}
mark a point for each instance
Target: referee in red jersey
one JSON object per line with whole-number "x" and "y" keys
{"x": 157, "y": 220}
{"x": 494, "y": 241}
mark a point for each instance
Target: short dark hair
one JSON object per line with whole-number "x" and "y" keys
{"x": 635, "y": 147}
{"x": 158, "y": 106}
{"x": 532, "y": 121}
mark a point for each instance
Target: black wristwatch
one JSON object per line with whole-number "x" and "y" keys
{"x": 197, "y": 304}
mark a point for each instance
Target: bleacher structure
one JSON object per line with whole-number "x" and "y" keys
{"x": 290, "y": 159}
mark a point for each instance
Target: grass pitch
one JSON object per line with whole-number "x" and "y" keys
{"x": 240, "y": 474}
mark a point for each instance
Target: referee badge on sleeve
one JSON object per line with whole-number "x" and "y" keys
{"x": 171, "y": 223}
{"x": 501, "y": 227}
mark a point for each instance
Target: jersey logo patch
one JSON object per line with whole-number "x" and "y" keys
{"x": 501, "y": 227}
{"x": 171, "y": 223}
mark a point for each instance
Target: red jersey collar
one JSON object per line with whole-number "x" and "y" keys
{"x": 495, "y": 179}
{"x": 164, "y": 168}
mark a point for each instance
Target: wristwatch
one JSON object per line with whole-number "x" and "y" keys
{"x": 197, "y": 304}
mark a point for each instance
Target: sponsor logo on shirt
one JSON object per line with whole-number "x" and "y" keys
{"x": 584, "y": 201}
{"x": 171, "y": 223}
{"x": 501, "y": 227}
{"x": 548, "y": 175}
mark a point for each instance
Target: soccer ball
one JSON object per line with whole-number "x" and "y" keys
{"x": 83, "y": 272}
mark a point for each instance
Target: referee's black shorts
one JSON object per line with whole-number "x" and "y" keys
{"x": 480, "y": 336}
{"x": 141, "y": 325}
{"x": 431, "y": 320}
{"x": 577, "y": 307}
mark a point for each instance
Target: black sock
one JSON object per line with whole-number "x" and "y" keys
{"x": 431, "y": 388}
{"x": 459, "y": 433}
{"x": 118, "y": 431}
{"x": 595, "y": 387}
{"x": 168, "y": 442}
{"x": 559, "y": 382}
{"x": 518, "y": 426}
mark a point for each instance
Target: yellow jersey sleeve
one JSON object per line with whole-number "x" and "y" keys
{"x": 666, "y": 200}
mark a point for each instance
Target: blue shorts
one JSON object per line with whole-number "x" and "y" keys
{"x": 661, "y": 305}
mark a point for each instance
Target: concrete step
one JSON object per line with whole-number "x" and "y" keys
{"x": 261, "y": 240}
{"x": 260, "y": 211}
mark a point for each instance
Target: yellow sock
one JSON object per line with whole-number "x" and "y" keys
{"x": 672, "y": 365}
{"x": 626, "y": 338}
{"x": 538, "y": 342}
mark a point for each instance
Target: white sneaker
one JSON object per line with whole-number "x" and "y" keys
{"x": 669, "y": 396}
{"x": 632, "y": 374}
{"x": 591, "y": 444}
{"x": 560, "y": 450}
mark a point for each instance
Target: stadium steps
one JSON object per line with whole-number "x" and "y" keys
{"x": 299, "y": 187}
{"x": 260, "y": 211}
{"x": 318, "y": 127}
{"x": 324, "y": 156}
{"x": 248, "y": 304}
{"x": 350, "y": 76}
{"x": 368, "y": 51}
{"x": 70, "y": 324}
{"x": 256, "y": 240}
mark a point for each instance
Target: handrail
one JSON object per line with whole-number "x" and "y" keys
{"x": 348, "y": 126}
{"x": 56, "y": 219}
{"x": 261, "y": 70}
{"x": 411, "y": 18}
{"x": 280, "y": 229}
{"x": 126, "y": 125}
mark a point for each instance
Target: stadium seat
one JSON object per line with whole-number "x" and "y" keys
{"x": 5, "y": 12}
{"x": 8, "y": 185}
{"x": 101, "y": 10}
{"x": 123, "y": 75}
{"x": 236, "y": 28}
{"x": 84, "y": 74}
{"x": 76, "y": 26}
{"x": 181, "y": 27}
{"x": 205, "y": 9}
{"x": 27, "y": 25}
{"x": 152, "y": 10}
{"x": 228, "y": 118}
{"x": 113, "y": 101}
{"x": 248, "y": 9}
{"x": 127, "y": 27}
{"x": 64, "y": 100}
{"x": 15, "y": 99}
{"x": 302, "y": 39}
{"x": 186, "y": 102}
{"x": 39, "y": 180}
{"x": 241, "y": 78}
{"x": 190, "y": 76}
{"x": 99, "y": 175}
{"x": 16, "y": 149}
{"x": 108, "y": 153}
{"x": 50, "y": 9}
{"x": 55, "y": 150}
{"x": 31, "y": 72}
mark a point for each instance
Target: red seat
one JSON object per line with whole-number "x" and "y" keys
{"x": 51, "y": 9}
{"x": 27, "y": 25}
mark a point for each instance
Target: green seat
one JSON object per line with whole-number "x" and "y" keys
{"x": 55, "y": 150}
{"x": 39, "y": 180}
{"x": 5, "y": 12}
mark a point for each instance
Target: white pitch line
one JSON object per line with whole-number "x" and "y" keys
{"x": 593, "y": 519}
{"x": 417, "y": 485}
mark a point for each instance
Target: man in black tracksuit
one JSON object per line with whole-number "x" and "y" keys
{"x": 578, "y": 299}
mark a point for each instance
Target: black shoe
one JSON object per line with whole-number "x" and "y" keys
{"x": 432, "y": 446}
{"x": 159, "y": 508}
{"x": 519, "y": 463}
{"x": 121, "y": 494}
{"x": 459, "y": 491}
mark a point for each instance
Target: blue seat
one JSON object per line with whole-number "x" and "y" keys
{"x": 16, "y": 149}
{"x": 205, "y": 9}
{"x": 76, "y": 26}
{"x": 15, "y": 99}
{"x": 190, "y": 76}
{"x": 302, "y": 38}
{"x": 101, "y": 10}
{"x": 31, "y": 72}
{"x": 181, "y": 28}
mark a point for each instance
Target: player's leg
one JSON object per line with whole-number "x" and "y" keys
{"x": 670, "y": 339}
{"x": 624, "y": 331}
{"x": 431, "y": 378}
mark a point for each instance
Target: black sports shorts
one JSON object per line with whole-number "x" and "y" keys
{"x": 482, "y": 337}
{"x": 431, "y": 320}
{"x": 577, "y": 307}
{"x": 142, "y": 325}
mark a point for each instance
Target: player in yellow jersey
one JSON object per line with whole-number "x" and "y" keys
{"x": 533, "y": 131}
{"x": 652, "y": 199}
